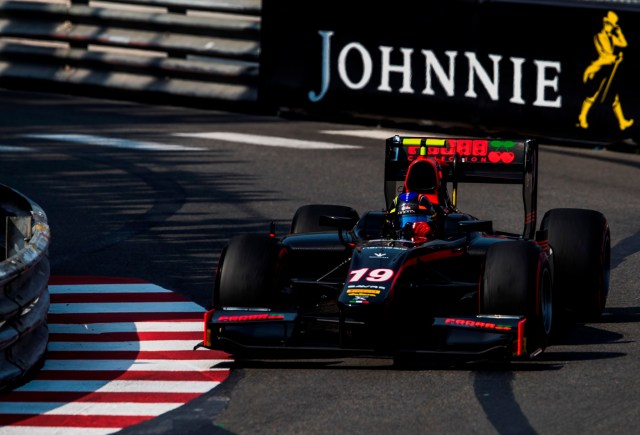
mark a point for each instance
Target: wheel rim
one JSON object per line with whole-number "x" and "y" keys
{"x": 546, "y": 303}
{"x": 606, "y": 265}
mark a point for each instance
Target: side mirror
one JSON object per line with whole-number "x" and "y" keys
{"x": 339, "y": 222}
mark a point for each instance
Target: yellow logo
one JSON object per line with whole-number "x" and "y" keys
{"x": 600, "y": 76}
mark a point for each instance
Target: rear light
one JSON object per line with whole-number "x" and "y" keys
{"x": 521, "y": 342}
{"x": 207, "y": 332}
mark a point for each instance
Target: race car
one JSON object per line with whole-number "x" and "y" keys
{"x": 419, "y": 277}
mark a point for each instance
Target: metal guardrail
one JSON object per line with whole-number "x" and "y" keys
{"x": 205, "y": 49}
{"x": 24, "y": 292}
{"x": 191, "y": 49}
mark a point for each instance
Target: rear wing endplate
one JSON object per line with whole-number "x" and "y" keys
{"x": 469, "y": 160}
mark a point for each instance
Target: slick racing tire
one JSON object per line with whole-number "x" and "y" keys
{"x": 580, "y": 242}
{"x": 307, "y": 217}
{"x": 248, "y": 272}
{"x": 517, "y": 281}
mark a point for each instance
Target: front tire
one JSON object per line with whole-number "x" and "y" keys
{"x": 517, "y": 281}
{"x": 248, "y": 273}
{"x": 580, "y": 241}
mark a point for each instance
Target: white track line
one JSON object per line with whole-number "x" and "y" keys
{"x": 118, "y": 386}
{"x": 269, "y": 141}
{"x": 150, "y": 365}
{"x": 370, "y": 134}
{"x": 116, "y": 346}
{"x": 12, "y": 149}
{"x": 87, "y": 408}
{"x": 101, "y": 328}
{"x": 126, "y": 307}
{"x": 107, "y": 288}
{"x": 377, "y": 134}
{"x": 110, "y": 142}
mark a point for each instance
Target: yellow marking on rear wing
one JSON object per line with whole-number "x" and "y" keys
{"x": 417, "y": 141}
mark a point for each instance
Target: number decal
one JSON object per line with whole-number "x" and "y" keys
{"x": 379, "y": 275}
{"x": 375, "y": 275}
{"x": 358, "y": 274}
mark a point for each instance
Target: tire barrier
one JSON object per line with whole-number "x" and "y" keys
{"x": 24, "y": 295}
{"x": 178, "y": 49}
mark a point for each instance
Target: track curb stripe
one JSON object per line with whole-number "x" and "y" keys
{"x": 122, "y": 317}
{"x": 78, "y": 396}
{"x": 113, "y": 343}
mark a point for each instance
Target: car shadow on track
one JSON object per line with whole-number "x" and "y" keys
{"x": 383, "y": 364}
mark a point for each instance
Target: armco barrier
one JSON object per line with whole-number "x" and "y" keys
{"x": 190, "y": 49}
{"x": 24, "y": 294}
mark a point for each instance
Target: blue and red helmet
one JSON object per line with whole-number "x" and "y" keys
{"x": 409, "y": 208}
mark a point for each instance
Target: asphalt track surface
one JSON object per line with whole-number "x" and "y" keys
{"x": 152, "y": 193}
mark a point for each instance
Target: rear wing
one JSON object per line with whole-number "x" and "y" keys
{"x": 469, "y": 160}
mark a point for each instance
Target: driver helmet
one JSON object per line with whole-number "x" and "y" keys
{"x": 413, "y": 216}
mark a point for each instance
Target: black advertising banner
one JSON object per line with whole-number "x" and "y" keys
{"x": 554, "y": 69}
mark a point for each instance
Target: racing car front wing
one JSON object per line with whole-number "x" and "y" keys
{"x": 262, "y": 333}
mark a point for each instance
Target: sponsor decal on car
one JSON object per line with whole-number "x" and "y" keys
{"x": 468, "y": 323}
{"x": 364, "y": 292}
{"x": 249, "y": 317}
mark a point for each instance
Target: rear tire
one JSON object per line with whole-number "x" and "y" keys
{"x": 248, "y": 272}
{"x": 580, "y": 241}
{"x": 307, "y": 217}
{"x": 517, "y": 281}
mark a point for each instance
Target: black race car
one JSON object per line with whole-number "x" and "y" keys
{"x": 419, "y": 277}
